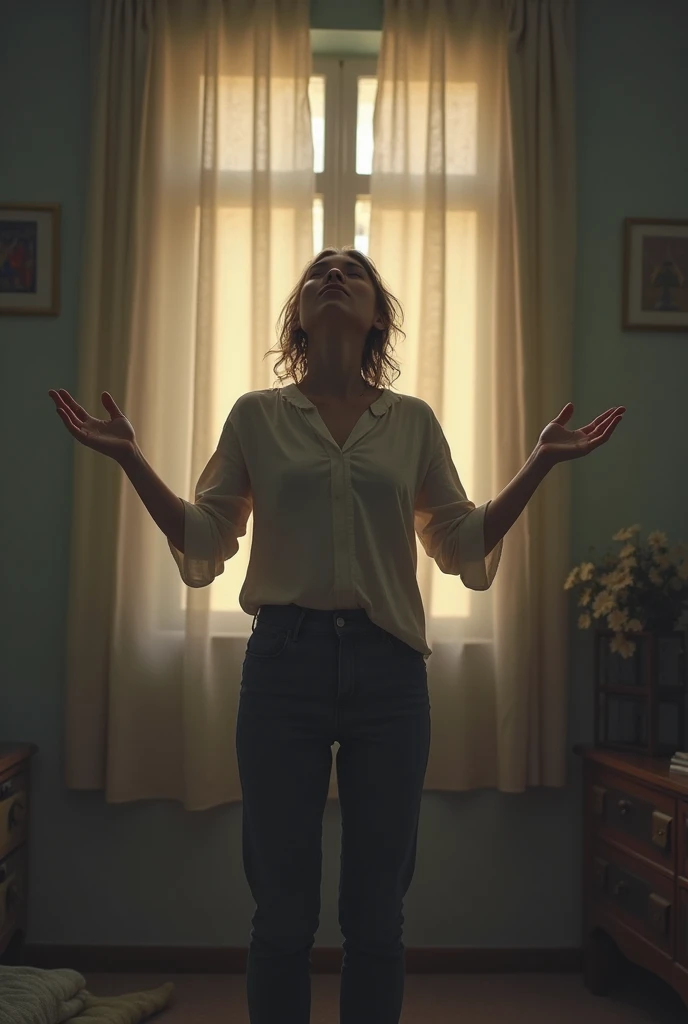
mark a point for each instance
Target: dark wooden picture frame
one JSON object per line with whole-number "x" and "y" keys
{"x": 30, "y": 259}
{"x": 655, "y": 275}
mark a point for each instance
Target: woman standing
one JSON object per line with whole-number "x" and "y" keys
{"x": 340, "y": 473}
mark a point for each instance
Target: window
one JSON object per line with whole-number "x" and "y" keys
{"x": 342, "y": 98}
{"x": 342, "y": 95}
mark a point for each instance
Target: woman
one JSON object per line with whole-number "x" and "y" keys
{"x": 340, "y": 472}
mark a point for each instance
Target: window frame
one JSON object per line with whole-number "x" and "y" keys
{"x": 339, "y": 185}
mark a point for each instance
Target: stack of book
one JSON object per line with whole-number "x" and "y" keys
{"x": 679, "y": 763}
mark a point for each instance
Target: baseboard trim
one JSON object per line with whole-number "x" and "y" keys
{"x": 232, "y": 960}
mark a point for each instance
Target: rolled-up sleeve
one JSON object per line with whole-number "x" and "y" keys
{"x": 218, "y": 516}
{"x": 450, "y": 527}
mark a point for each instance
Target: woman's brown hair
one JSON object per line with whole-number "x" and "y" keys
{"x": 376, "y": 352}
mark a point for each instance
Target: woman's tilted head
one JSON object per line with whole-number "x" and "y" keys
{"x": 364, "y": 312}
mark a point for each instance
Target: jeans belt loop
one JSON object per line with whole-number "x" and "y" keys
{"x": 297, "y": 627}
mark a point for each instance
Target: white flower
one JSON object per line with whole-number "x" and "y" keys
{"x": 657, "y": 539}
{"x": 625, "y": 579}
{"x": 617, "y": 619}
{"x": 586, "y": 571}
{"x": 627, "y": 533}
{"x": 603, "y": 604}
{"x": 584, "y": 620}
{"x": 619, "y": 579}
{"x": 572, "y": 579}
{"x": 622, "y": 646}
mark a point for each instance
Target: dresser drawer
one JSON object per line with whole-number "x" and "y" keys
{"x": 638, "y": 818}
{"x": 13, "y": 808}
{"x": 636, "y": 894}
{"x": 12, "y": 890}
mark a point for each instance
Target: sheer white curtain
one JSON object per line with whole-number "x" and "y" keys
{"x": 473, "y": 228}
{"x": 199, "y": 223}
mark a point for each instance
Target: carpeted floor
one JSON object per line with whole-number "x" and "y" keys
{"x": 640, "y": 998}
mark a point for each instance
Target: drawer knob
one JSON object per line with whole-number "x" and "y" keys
{"x": 12, "y": 896}
{"x": 624, "y": 806}
{"x": 17, "y": 814}
{"x": 661, "y": 831}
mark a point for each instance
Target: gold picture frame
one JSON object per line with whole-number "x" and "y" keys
{"x": 655, "y": 275}
{"x": 30, "y": 259}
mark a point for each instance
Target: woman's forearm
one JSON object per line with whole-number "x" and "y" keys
{"x": 504, "y": 510}
{"x": 166, "y": 508}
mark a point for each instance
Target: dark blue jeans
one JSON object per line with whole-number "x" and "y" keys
{"x": 311, "y": 678}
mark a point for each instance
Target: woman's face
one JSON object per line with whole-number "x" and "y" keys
{"x": 352, "y": 301}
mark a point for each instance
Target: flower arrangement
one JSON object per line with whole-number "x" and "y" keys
{"x": 638, "y": 588}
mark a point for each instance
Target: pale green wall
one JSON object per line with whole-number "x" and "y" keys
{"x": 492, "y": 869}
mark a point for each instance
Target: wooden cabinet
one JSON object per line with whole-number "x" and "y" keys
{"x": 635, "y": 867}
{"x": 15, "y": 774}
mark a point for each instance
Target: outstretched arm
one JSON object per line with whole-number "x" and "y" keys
{"x": 555, "y": 444}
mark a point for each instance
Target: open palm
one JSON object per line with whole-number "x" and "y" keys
{"x": 559, "y": 443}
{"x": 114, "y": 437}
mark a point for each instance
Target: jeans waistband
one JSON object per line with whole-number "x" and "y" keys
{"x": 292, "y": 616}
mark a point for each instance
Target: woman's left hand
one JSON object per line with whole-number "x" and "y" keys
{"x": 557, "y": 444}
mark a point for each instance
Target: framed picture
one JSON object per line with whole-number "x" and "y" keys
{"x": 655, "y": 275}
{"x": 30, "y": 259}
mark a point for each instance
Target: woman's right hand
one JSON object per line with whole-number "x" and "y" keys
{"x": 114, "y": 437}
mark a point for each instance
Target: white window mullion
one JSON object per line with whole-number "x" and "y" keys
{"x": 354, "y": 184}
{"x": 339, "y": 184}
{"x": 346, "y": 199}
{"x": 328, "y": 181}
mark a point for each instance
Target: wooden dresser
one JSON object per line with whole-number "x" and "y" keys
{"x": 635, "y": 868}
{"x": 15, "y": 775}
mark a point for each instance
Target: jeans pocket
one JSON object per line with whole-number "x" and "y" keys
{"x": 401, "y": 647}
{"x": 265, "y": 642}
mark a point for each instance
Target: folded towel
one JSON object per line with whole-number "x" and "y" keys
{"x": 31, "y": 995}
{"x": 125, "y": 1009}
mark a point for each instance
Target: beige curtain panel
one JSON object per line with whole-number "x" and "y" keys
{"x": 199, "y": 224}
{"x": 473, "y": 224}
